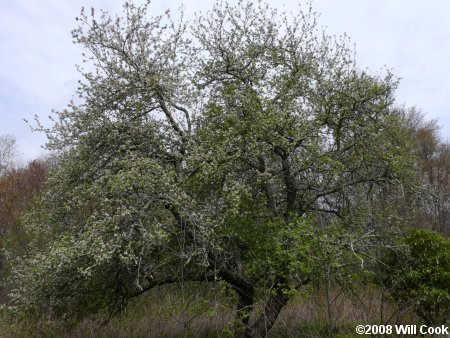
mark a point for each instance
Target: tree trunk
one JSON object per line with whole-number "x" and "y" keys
{"x": 245, "y": 306}
{"x": 243, "y": 312}
{"x": 270, "y": 314}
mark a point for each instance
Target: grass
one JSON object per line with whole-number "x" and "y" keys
{"x": 206, "y": 310}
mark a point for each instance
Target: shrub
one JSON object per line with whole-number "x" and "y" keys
{"x": 421, "y": 274}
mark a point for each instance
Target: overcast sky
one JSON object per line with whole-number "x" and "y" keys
{"x": 37, "y": 57}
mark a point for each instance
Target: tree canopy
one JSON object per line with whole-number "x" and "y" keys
{"x": 208, "y": 150}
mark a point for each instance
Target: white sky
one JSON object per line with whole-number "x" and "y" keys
{"x": 37, "y": 57}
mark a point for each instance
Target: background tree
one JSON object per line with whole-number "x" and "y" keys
{"x": 203, "y": 152}
{"x": 17, "y": 189}
{"x": 428, "y": 196}
{"x": 7, "y": 152}
{"x": 422, "y": 200}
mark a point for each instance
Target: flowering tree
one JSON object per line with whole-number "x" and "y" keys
{"x": 206, "y": 150}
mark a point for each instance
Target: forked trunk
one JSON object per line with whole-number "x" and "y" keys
{"x": 264, "y": 323}
{"x": 271, "y": 311}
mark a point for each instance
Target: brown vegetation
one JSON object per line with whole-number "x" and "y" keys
{"x": 196, "y": 310}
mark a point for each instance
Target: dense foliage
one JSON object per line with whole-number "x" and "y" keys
{"x": 421, "y": 275}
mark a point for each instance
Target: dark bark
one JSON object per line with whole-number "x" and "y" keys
{"x": 270, "y": 314}
{"x": 243, "y": 312}
{"x": 262, "y": 325}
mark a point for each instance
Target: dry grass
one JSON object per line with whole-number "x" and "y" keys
{"x": 306, "y": 315}
{"x": 207, "y": 311}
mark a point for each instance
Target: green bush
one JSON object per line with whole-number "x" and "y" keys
{"x": 421, "y": 274}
